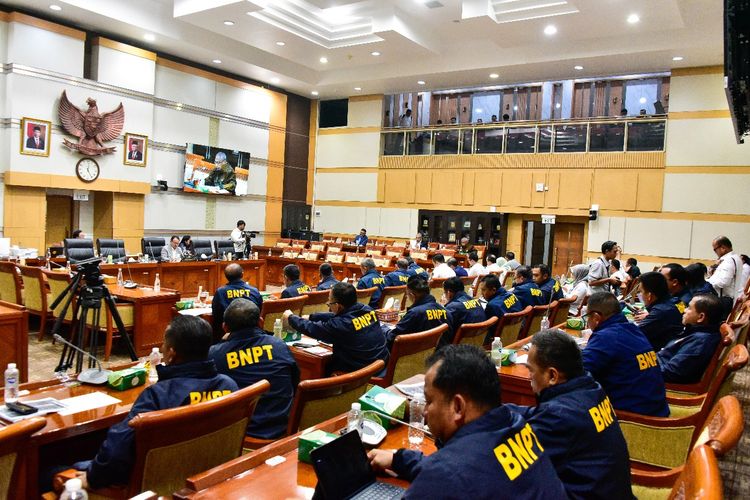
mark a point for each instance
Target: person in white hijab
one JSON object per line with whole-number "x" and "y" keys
{"x": 579, "y": 287}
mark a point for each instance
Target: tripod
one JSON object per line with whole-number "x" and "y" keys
{"x": 90, "y": 296}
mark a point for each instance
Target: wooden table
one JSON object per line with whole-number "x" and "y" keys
{"x": 14, "y": 339}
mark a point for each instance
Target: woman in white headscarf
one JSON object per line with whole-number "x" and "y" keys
{"x": 579, "y": 287}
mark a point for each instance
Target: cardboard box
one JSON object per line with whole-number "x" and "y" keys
{"x": 311, "y": 440}
{"x": 127, "y": 379}
{"x": 383, "y": 401}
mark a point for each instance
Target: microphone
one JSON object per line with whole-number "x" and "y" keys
{"x": 129, "y": 283}
{"x": 90, "y": 375}
{"x": 394, "y": 419}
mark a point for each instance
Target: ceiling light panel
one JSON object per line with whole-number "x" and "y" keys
{"x": 509, "y": 11}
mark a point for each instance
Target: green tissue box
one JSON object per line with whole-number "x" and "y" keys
{"x": 383, "y": 401}
{"x": 576, "y": 323}
{"x": 127, "y": 379}
{"x": 292, "y": 336}
{"x": 311, "y": 440}
{"x": 508, "y": 357}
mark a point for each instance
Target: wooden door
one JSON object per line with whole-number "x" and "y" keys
{"x": 59, "y": 219}
{"x": 567, "y": 246}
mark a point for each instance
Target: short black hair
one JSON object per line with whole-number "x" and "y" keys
{"x": 453, "y": 284}
{"x": 604, "y": 303}
{"x": 325, "y": 269}
{"x": 291, "y": 271}
{"x": 402, "y": 263}
{"x": 438, "y": 257}
{"x": 543, "y": 269}
{"x": 676, "y": 272}
{"x": 506, "y": 117}
{"x": 632, "y": 262}
{"x": 524, "y": 272}
{"x": 491, "y": 258}
{"x": 467, "y": 370}
{"x": 233, "y": 272}
{"x": 174, "y": 237}
{"x": 491, "y": 281}
{"x": 696, "y": 274}
{"x": 474, "y": 256}
{"x": 344, "y": 293}
{"x": 616, "y": 264}
{"x": 710, "y": 305}
{"x": 368, "y": 263}
{"x": 37, "y": 127}
{"x": 723, "y": 241}
{"x": 557, "y": 349}
{"x": 76, "y": 233}
{"x": 363, "y": 229}
{"x": 452, "y": 262}
{"x": 190, "y": 337}
{"x": 418, "y": 284}
{"x": 608, "y": 245}
{"x": 654, "y": 282}
{"x": 240, "y": 222}
{"x": 240, "y": 314}
{"x": 510, "y": 255}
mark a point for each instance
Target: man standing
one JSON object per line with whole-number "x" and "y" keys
{"x": 424, "y": 313}
{"x": 499, "y": 301}
{"x": 441, "y": 269}
{"x": 727, "y": 276}
{"x": 525, "y": 289}
{"x": 36, "y": 141}
{"x": 172, "y": 251}
{"x": 238, "y": 238}
{"x": 550, "y": 287}
{"x": 599, "y": 275}
{"x": 662, "y": 321}
{"x": 676, "y": 277}
{"x": 361, "y": 239}
{"x": 400, "y": 276}
{"x": 371, "y": 278}
{"x": 327, "y": 279}
{"x": 294, "y": 287}
{"x": 235, "y": 288}
{"x": 461, "y": 308}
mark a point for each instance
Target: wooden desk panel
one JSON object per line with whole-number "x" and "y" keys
{"x": 152, "y": 314}
{"x": 14, "y": 340}
{"x": 188, "y": 276}
{"x": 141, "y": 273}
{"x": 254, "y": 272}
{"x": 275, "y": 269}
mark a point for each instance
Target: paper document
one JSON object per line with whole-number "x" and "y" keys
{"x": 196, "y": 311}
{"x": 45, "y": 406}
{"x": 412, "y": 390}
{"x": 317, "y": 350}
{"x": 522, "y": 359}
{"x": 87, "y": 402}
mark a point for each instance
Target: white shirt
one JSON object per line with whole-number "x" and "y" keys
{"x": 477, "y": 270}
{"x": 580, "y": 291}
{"x": 727, "y": 278}
{"x": 169, "y": 254}
{"x": 238, "y": 240}
{"x": 415, "y": 245}
{"x": 494, "y": 268}
{"x": 599, "y": 269}
{"x": 621, "y": 275}
{"x": 443, "y": 271}
{"x": 745, "y": 274}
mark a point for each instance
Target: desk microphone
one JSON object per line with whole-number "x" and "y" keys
{"x": 129, "y": 283}
{"x": 95, "y": 376}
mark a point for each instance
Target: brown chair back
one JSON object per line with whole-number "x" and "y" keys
{"x": 722, "y": 349}
{"x": 374, "y": 250}
{"x": 724, "y": 425}
{"x": 508, "y": 279}
{"x": 35, "y": 289}
{"x": 316, "y": 302}
{"x": 317, "y": 400}
{"x": 382, "y": 261}
{"x": 300, "y": 243}
{"x": 11, "y": 285}
{"x": 534, "y": 323}
{"x": 14, "y": 446}
{"x": 353, "y": 258}
{"x": 722, "y": 382}
{"x": 320, "y": 246}
{"x": 395, "y": 251}
{"x": 408, "y": 355}
{"x": 634, "y": 288}
{"x": 397, "y": 292}
{"x": 510, "y": 325}
{"x": 335, "y": 257}
{"x": 335, "y": 247}
{"x": 474, "y": 333}
{"x": 468, "y": 281}
{"x": 274, "y": 309}
{"x": 700, "y": 479}
{"x": 562, "y": 310}
{"x": 209, "y": 433}
{"x": 283, "y": 243}
{"x": 436, "y": 287}
{"x": 364, "y": 295}
{"x": 57, "y": 284}
{"x": 419, "y": 254}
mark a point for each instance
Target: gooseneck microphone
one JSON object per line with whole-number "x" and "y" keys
{"x": 95, "y": 376}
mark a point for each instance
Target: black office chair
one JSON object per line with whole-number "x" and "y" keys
{"x": 152, "y": 246}
{"x": 115, "y": 248}
{"x": 78, "y": 249}
{"x": 223, "y": 246}
{"x": 203, "y": 247}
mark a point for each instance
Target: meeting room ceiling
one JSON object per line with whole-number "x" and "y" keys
{"x": 334, "y": 47}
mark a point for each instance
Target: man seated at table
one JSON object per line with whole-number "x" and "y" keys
{"x": 418, "y": 242}
{"x": 361, "y": 239}
{"x": 171, "y": 252}
{"x": 525, "y": 289}
{"x": 661, "y": 321}
{"x": 622, "y": 360}
{"x": 235, "y": 288}
{"x": 696, "y": 279}
{"x": 512, "y": 263}
{"x": 492, "y": 265}
{"x": 461, "y": 308}
{"x": 574, "y": 421}
{"x": 465, "y": 247}
{"x": 459, "y": 270}
{"x": 250, "y": 354}
{"x": 371, "y": 278}
{"x": 415, "y": 269}
{"x": 684, "y": 360}
{"x": 424, "y": 314}
{"x": 485, "y": 450}
{"x": 475, "y": 265}
{"x": 186, "y": 376}
{"x": 352, "y": 328}
{"x": 550, "y": 287}
{"x": 400, "y": 276}
{"x": 293, "y": 286}
{"x": 676, "y": 277}
{"x": 499, "y": 301}
{"x": 441, "y": 270}
{"x": 327, "y": 279}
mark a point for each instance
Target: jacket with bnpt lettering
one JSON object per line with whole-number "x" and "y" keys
{"x": 552, "y": 288}
{"x": 621, "y": 359}
{"x": 372, "y": 278}
{"x": 662, "y": 324}
{"x": 577, "y": 427}
{"x": 496, "y": 456}
{"x": 226, "y": 294}
{"x": 396, "y": 278}
{"x": 327, "y": 283}
{"x": 424, "y": 314}
{"x": 355, "y": 334}
{"x": 295, "y": 289}
{"x": 178, "y": 385}
{"x": 682, "y": 299}
{"x": 462, "y": 309}
{"x": 684, "y": 360}
{"x": 503, "y": 302}
{"x": 529, "y": 294}
{"x": 250, "y": 355}
{"x": 415, "y": 269}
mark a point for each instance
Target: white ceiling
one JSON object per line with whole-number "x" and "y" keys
{"x": 456, "y": 43}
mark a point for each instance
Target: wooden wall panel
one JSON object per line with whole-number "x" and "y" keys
{"x": 447, "y": 187}
{"x": 516, "y": 189}
{"x": 487, "y": 188}
{"x": 103, "y": 215}
{"x": 423, "y": 192}
{"x": 552, "y": 196}
{"x": 650, "y": 191}
{"x": 128, "y": 215}
{"x": 468, "y": 189}
{"x": 24, "y": 214}
{"x": 575, "y": 189}
{"x": 537, "y": 198}
{"x": 399, "y": 186}
{"x": 611, "y": 190}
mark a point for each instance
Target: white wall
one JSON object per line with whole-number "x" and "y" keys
{"x": 39, "y": 48}
{"x": 122, "y": 69}
{"x": 395, "y": 222}
{"x": 707, "y": 193}
{"x": 346, "y": 187}
{"x": 348, "y": 150}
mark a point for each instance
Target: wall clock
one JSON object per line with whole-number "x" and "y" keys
{"x": 87, "y": 169}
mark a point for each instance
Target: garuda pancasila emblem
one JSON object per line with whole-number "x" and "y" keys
{"x": 91, "y": 128}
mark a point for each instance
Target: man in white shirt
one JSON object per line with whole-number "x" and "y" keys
{"x": 172, "y": 252}
{"x": 599, "y": 271}
{"x": 475, "y": 266}
{"x": 727, "y": 278}
{"x": 442, "y": 270}
{"x": 492, "y": 266}
{"x": 512, "y": 263}
{"x": 417, "y": 243}
{"x": 238, "y": 238}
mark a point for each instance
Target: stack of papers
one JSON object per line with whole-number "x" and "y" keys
{"x": 412, "y": 390}
{"x": 45, "y": 406}
{"x": 317, "y": 350}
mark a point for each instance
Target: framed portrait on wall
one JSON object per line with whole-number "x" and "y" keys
{"x": 35, "y": 137}
{"x": 136, "y": 150}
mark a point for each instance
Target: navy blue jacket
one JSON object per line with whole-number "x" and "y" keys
{"x": 295, "y": 289}
{"x": 372, "y": 278}
{"x": 424, "y": 314}
{"x": 355, "y": 334}
{"x": 503, "y": 302}
{"x": 551, "y": 287}
{"x": 482, "y": 460}
{"x": 529, "y": 294}
{"x": 414, "y": 269}
{"x": 578, "y": 429}
{"x": 360, "y": 240}
{"x": 226, "y": 294}
{"x": 327, "y": 283}
{"x": 706, "y": 287}
{"x": 663, "y": 323}
{"x": 684, "y": 360}
{"x": 396, "y": 278}
{"x": 178, "y": 385}
{"x": 462, "y": 309}
{"x": 621, "y": 359}
{"x": 250, "y": 355}
{"x": 682, "y": 299}
{"x": 461, "y": 271}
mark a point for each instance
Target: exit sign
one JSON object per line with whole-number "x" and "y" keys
{"x": 548, "y": 219}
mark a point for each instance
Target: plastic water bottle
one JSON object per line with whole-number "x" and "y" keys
{"x": 278, "y": 329}
{"x": 416, "y": 419}
{"x": 119, "y": 277}
{"x": 354, "y": 418}
{"x": 545, "y": 323}
{"x": 496, "y": 351}
{"x": 153, "y": 359}
{"x": 157, "y": 284}
{"x": 74, "y": 490}
{"x": 11, "y": 383}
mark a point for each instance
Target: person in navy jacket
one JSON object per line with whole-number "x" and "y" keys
{"x": 371, "y": 278}
{"x": 415, "y": 269}
{"x": 684, "y": 360}
{"x": 294, "y": 287}
{"x": 424, "y": 314}
{"x": 550, "y": 287}
{"x": 400, "y": 276}
{"x": 499, "y": 302}
{"x": 235, "y": 288}
{"x": 461, "y": 308}
{"x": 696, "y": 279}
{"x": 352, "y": 328}
{"x": 525, "y": 289}
{"x": 485, "y": 450}
{"x": 662, "y": 322}
{"x": 622, "y": 360}
{"x": 187, "y": 377}
{"x": 676, "y": 277}
{"x": 361, "y": 239}
{"x": 574, "y": 421}
{"x": 327, "y": 279}
{"x": 249, "y": 355}
{"x": 459, "y": 270}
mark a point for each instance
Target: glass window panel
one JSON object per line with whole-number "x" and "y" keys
{"x": 545, "y": 139}
{"x": 641, "y": 94}
{"x": 446, "y": 142}
{"x": 483, "y": 106}
{"x": 467, "y": 136}
{"x": 607, "y": 137}
{"x": 419, "y": 143}
{"x": 489, "y": 140}
{"x": 521, "y": 140}
{"x": 570, "y": 138}
{"x": 393, "y": 144}
{"x": 646, "y": 136}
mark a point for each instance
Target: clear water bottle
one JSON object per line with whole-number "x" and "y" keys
{"x": 119, "y": 277}
{"x": 11, "y": 383}
{"x": 278, "y": 329}
{"x": 74, "y": 490}
{"x": 496, "y": 352}
{"x": 416, "y": 419}
{"x": 354, "y": 418}
{"x": 545, "y": 323}
{"x": 157, "y": 284}
{"x": 153, "y": 359}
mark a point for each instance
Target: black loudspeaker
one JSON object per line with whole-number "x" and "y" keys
{"x": 593, "y": 214}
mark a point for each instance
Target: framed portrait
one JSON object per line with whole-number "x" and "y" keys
{"x": 136, "y": 150}
{"x": 35, "y": 137}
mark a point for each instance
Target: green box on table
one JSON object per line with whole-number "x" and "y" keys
{"x": 383, "y": 401}
{"x": 311, "y": 440}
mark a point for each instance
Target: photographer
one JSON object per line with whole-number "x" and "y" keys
{"x": 239, "y": 238}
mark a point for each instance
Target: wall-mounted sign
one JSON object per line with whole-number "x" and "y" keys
{"x": 548, "y": 219}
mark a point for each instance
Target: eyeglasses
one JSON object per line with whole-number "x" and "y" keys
{"x": 588, "y": 314}
{"x": 329, "y": 304}
{"x": 717, "y": 247}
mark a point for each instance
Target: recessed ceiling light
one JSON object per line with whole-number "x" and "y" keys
{"x": 550, "y": 30}
{"x": 375, "y": 53}
{"x": 494, "y": 75}
{"x": 678, "y": 58}
{"x": 557, "y": 105}
{"x": 55, "y": 7}
{"x": 420, "y": 82}
{"x": 275, "y": 80}
{"x": 578, "y": 68}
{"x": 633, "y": 18}
{"x": 515, "y": 108}
{"x": 149, "y": 37}
{"x": 642, "y": 100}
{"x": 479, "y": 110}
{"x": 228, "y": 23}
{"x": 357, "y": 88}
{"x": 280, "y": 43}
{"x": 324, "y": 60}
{"x": 314, "y": 92}
{"x": 217, "y": 61}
